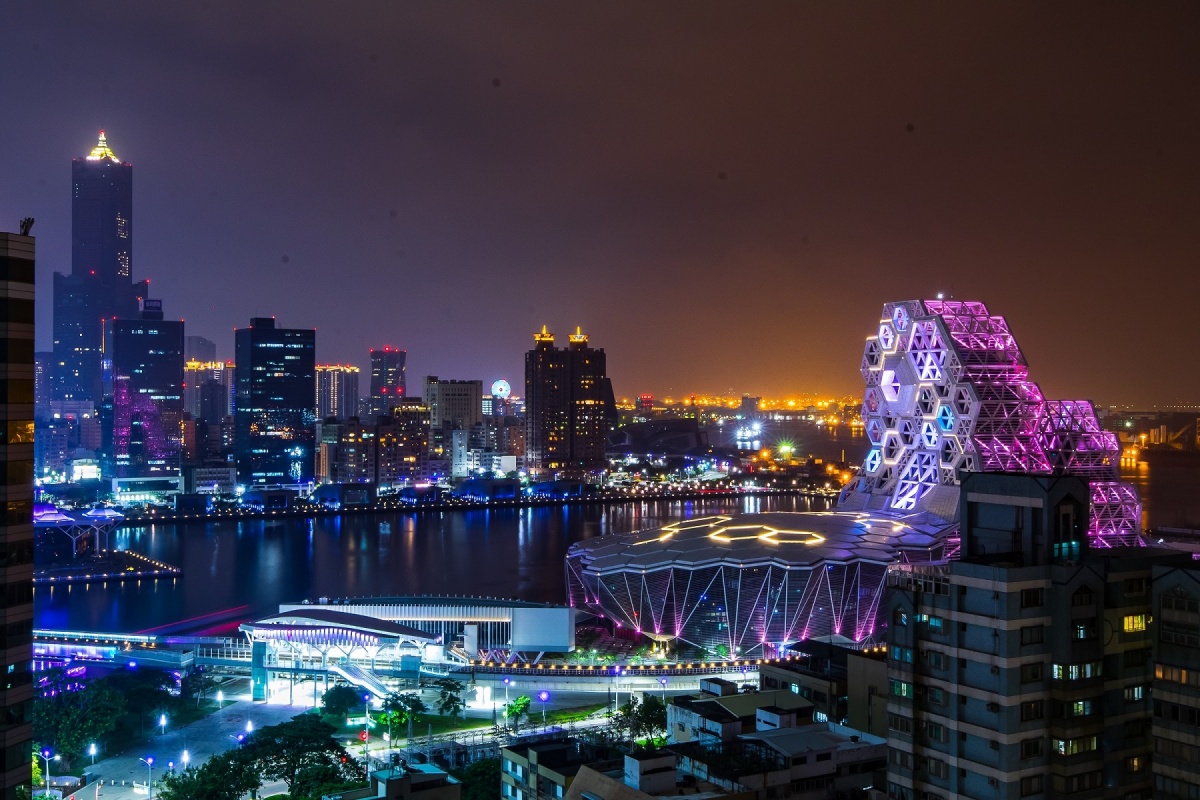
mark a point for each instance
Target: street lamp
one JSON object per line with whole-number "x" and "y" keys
{"x": 47, "y": 758}
{"x": 249, "y": 726}
{"x": 162, "y": 724}
{"x": 220, "y": 699}
{"x": 663, "y": 681}
{"x": 92, "y": 752}
{"x": 367, "y": 731}
{"x": 185, "y": 758}
{"x": 543, "y": 696}
{"x": 149, "y": 762}
{"x": 507, "y": 681}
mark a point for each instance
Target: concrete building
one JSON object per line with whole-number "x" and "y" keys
{"x": 642, "y": 776}
{"x": 720, "y": 713}
{"x": 16, "y": 528}
{"x": 453, "y": 404}
{"x": 388, "y": 381}
{"x": 1022, "y": 670}
{"x": 845, "y": 686}
{"x": 809, "y": 762}
{"x": 408, "y": 782}
{"x": 546, "y": 770}
{"x": 1176, "y": 687}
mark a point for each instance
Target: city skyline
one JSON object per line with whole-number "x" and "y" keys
{"x": 486, "y": 163}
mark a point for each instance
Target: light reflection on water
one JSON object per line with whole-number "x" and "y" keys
{"x": 233, "y": 571}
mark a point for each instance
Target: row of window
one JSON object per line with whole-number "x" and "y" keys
{"x": 1174, "y": 712}
{"x": 1186, "y": 677}
{"x": 1070, "y": 747}
{"x": 1077, "y": 672}
{"x": 1180, "y": 751}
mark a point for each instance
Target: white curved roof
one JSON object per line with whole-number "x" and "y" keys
{"x": 783, "y": 539}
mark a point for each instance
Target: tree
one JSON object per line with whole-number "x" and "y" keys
{"x": 652, "y": 717}
{"x": 226, "y": 776}
{"x": 450, "y": 701}
{"x": 146, "y": 691}
{"x": 399, "y": 708}
{"x": 313, "y": 783}
{"x": 518, "y": 708}
{"x": 198, "y": 684}
{"x": 480, "y": 779}
{"x": 340, "y": 699}
{"x": 71, "y": 719}
{"x": 282, "y": 751}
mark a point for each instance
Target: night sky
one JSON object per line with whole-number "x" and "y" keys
{"x": 722, "y": 195}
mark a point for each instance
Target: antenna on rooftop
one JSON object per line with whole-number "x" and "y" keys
{"x": 26, "y": 225}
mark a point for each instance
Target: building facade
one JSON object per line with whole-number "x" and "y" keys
{"x": 100, "y": 285}
{"x": 16, "y": 528}
{"x": 388, "y": 383}
{"x": 569, "y": 406}
{"x": 337, "y": 391}
{"x": 1023, "y": 669}
{"x": 147, "y": 401}
{"x": 1176, "y": 689}
{"x": 275, "y": 416}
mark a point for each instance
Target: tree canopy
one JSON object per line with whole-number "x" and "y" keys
{"x": 340, "y": 699}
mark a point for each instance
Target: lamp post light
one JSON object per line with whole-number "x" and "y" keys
{"x": 92, "y": 752}
{"x": 367, "y": 732}
{"x": 663, "y": 681}
{"x": 47, "y": 757}
{"x": 162, "y": 724}
{"x": 220, "y": 699}
{"x": 249, "y": 727}
{"x": 185, "y": 758}
{"x": 507, "y": 681}
{"x": 171, "y": 766}
{"x": 543, "y": 696}
{"x": 149, "y": 762}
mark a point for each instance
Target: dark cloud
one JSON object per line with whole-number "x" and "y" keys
{"x": 721, "y": 195}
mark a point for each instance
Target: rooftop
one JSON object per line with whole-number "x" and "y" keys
{"x": 783, "y": 539}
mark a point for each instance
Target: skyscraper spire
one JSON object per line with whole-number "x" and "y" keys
{"x": 102, "y": 151}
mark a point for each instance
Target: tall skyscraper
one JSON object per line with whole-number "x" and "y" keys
{"x": 147, "y": 402}
{"x": 198, "y": 348}
{"x": 387, "y": 378}
{"x": 337, "y": 391}
{"x": 16, "y": 527}
{"x": 100, "y": 286}
{"x": 569, "y": 406}
{"x": 276, "y": 392}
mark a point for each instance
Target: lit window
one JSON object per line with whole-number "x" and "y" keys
{"x": 1134, "y": 623}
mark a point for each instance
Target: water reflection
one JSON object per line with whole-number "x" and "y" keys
{"x": 237, "y": 570}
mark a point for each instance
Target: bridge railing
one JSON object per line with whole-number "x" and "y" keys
{"x": 599, "y": 671}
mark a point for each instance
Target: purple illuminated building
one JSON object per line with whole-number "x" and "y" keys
{"x": 948, "y": 389}
{"x": 147, "y": 414}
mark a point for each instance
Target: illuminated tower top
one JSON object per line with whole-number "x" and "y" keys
{"x": 544, "y": 337}
{"x": 578, "y": 337}
{"x": 102, "y": 151}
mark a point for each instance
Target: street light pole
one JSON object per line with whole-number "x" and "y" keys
{"x": 149, "y": 762}
{"x": 92, "y": 752}
{"x": 47, "y": 758}
{"x": 663, "y": 681}
{"x": 543, "y": 696}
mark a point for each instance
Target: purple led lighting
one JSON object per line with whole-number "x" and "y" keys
{"x": 949, "y": 391}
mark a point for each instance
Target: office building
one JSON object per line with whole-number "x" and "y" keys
{"x": 43, "y": 383}
{"x": 147, "y": 403}
{"x": 569, "y": 405}
{"x": 16, "y": 528}
{"x": 337, "y": 391}
{"x": 387, "y": 378}
{"x": 275, "y": 414}
{"x": 1023, "y": 669}
{"x": 453, "y": 404}
{"x": 100, "y": 286}
{"x": 208, "y": 390}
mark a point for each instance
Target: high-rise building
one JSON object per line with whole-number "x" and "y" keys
{"x": 100, "y": 285}
{"x": 1176, "y": 688}
{"x": 453, "y": 404}
{"x": 147, "y": 402}
{"x": 275, "y": 414}
{"x": 43, "y": 383}
{"x": 337, "y": 391}
{"x": 197, "y": 348}
{"x": 387, "y": 378}
{"x": 208, "y": 389}
{"x": 569, "y": 405}
{"x": 16, "y": 528}
{"x": 1024, "y": 668}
